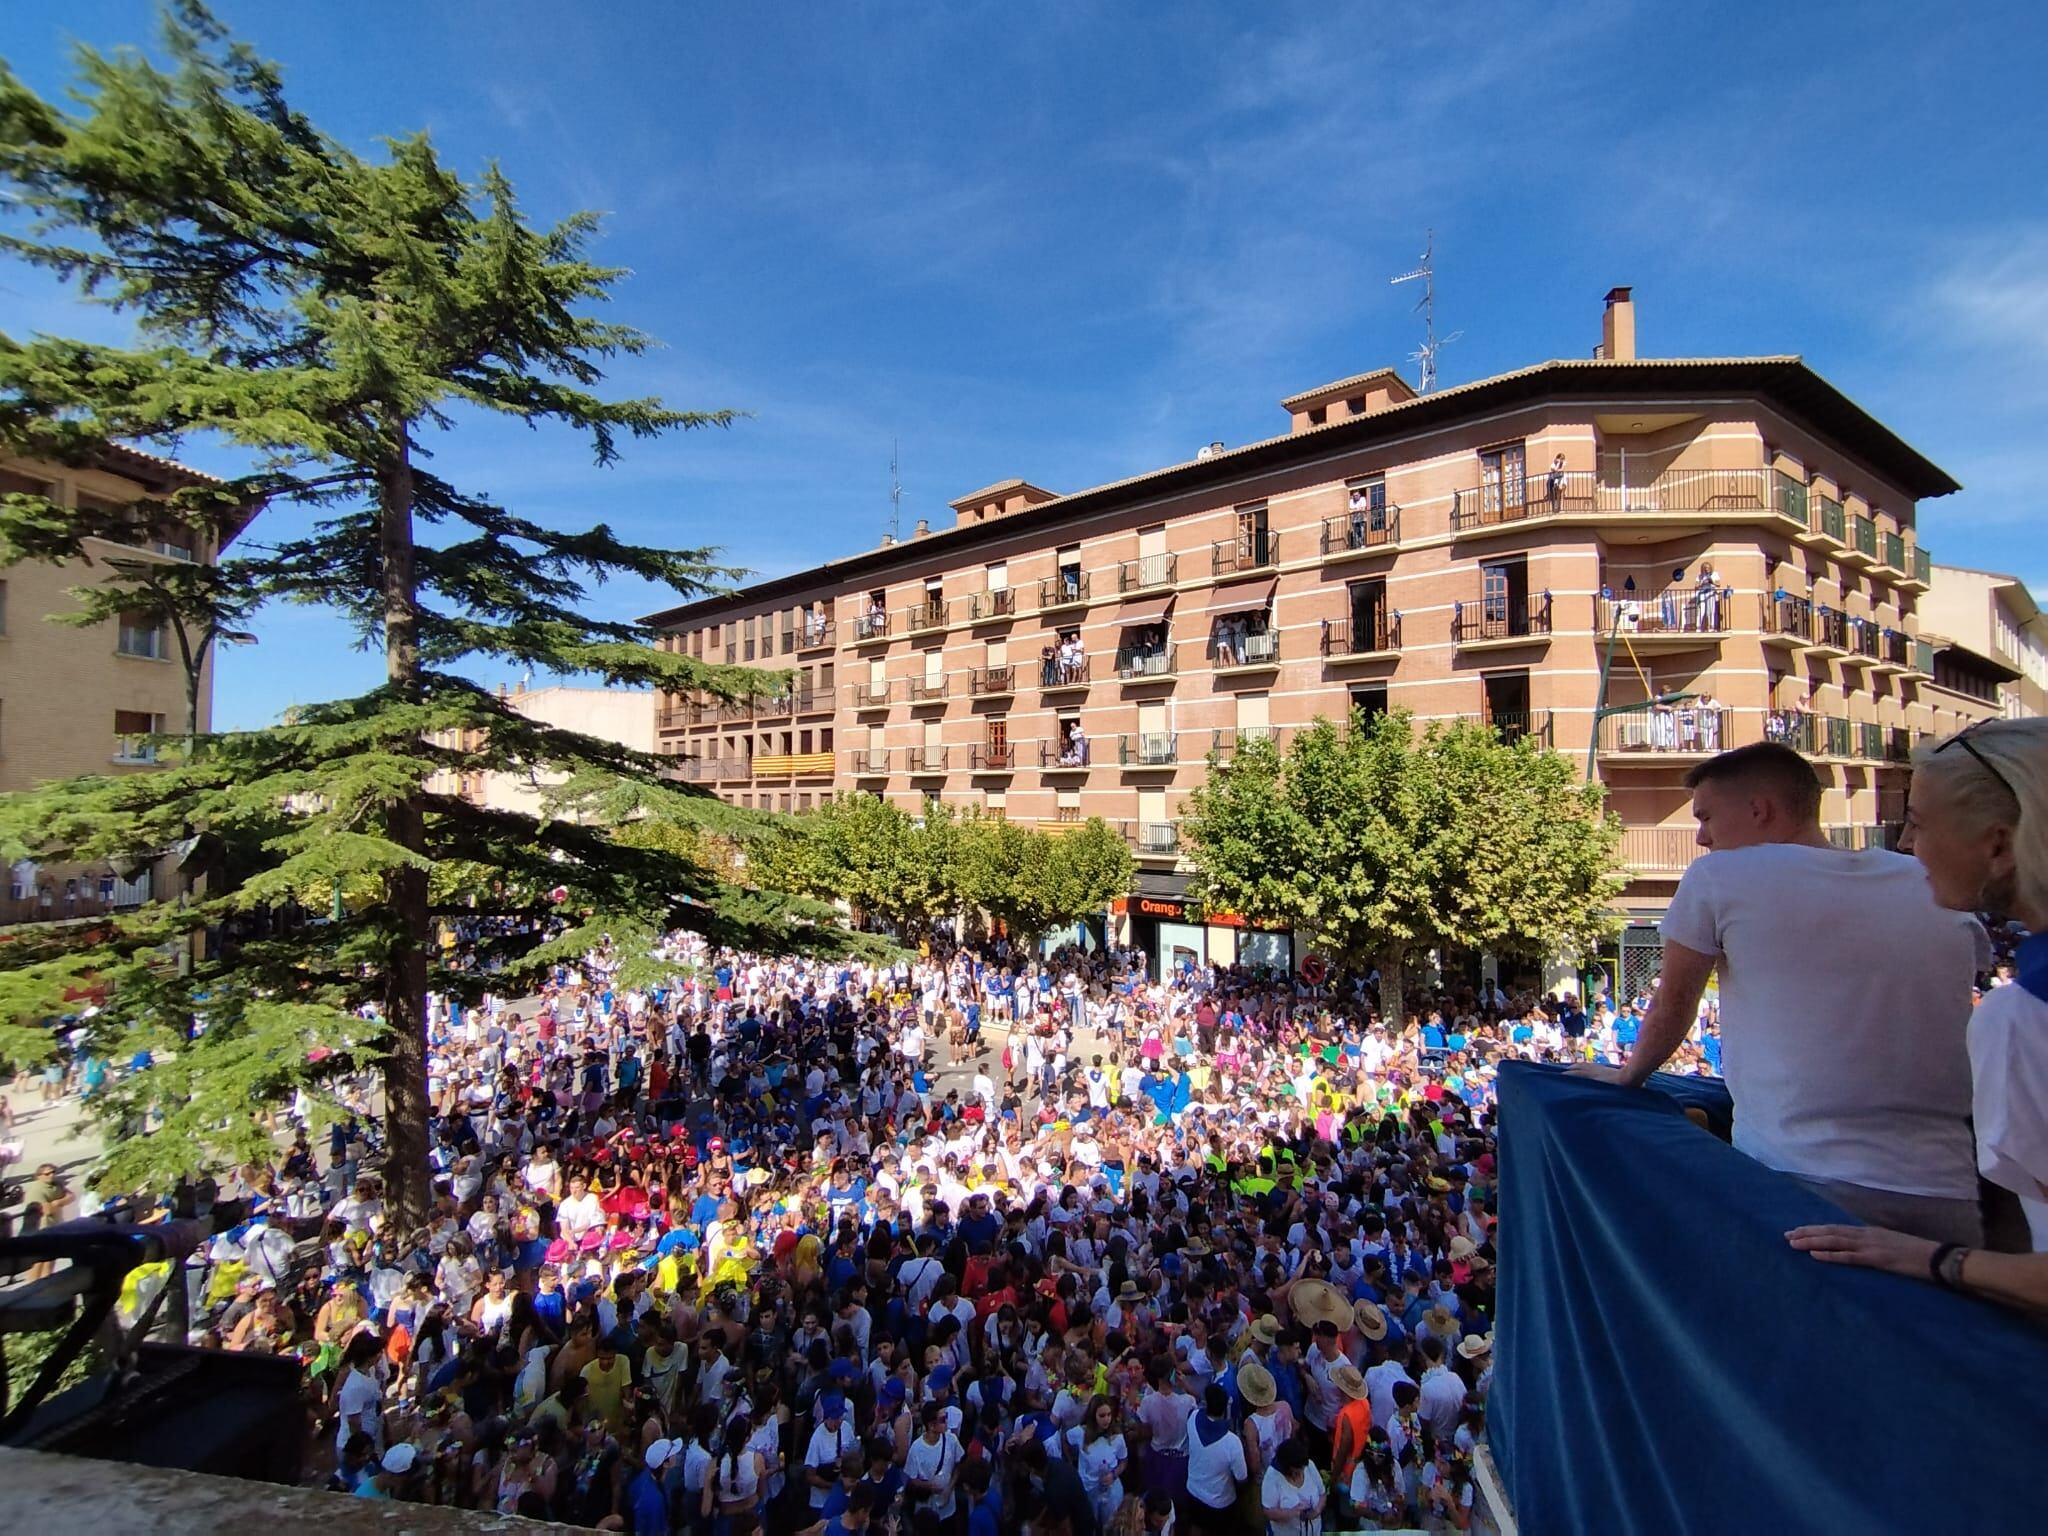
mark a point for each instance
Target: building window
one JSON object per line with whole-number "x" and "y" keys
{"x": 141, "y": 634}
{"x": 132, "y": 727}
{"x": 1369, "y": 702}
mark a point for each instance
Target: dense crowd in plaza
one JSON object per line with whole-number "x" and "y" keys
{"x": 978, "y": 1241}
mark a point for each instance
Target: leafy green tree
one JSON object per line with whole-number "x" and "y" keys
{"x": 1033, "y": 881}
{"x": 1376, "y": 844}
{"x": 880, "y": 860}
{"x": 335, "y": 316}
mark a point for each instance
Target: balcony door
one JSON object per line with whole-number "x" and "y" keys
{"x": 1251, "y": 535}
{"x": 1507, "y": 703}
{"x": 1503, "y": 473}
{"x": 1369, "y": 615}
{"x": 1504, "y": 596}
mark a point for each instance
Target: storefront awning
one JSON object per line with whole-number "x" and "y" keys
{"x": 1146, "y": 610}
{"x": 1236, "y": 596}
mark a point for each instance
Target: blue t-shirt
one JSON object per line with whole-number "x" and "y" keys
{"x": 649, "y": 1505}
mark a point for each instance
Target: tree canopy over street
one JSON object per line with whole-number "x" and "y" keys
{"x": 1378, "y": 843}
{"x": 333, "y": 316}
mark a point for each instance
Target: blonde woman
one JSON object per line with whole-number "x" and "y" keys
{"x": 1977, "y": 819}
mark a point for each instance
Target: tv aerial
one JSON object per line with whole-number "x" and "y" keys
{"x": 1424, "y": 356}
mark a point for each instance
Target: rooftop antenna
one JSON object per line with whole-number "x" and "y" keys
{"x": 895, "y": 496}
{"x": 1425, "y": 355}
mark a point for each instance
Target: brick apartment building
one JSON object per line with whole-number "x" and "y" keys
{"x": 79, "y": 701}
{"x": 1734, "y": 535}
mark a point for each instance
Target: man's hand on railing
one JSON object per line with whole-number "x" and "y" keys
{"x": 1870, "y": 1247}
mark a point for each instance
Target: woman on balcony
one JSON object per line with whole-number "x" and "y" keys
{"x": 1977, "y": 819}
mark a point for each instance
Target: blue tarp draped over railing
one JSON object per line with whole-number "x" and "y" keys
{"x": 1665, "y": 1363}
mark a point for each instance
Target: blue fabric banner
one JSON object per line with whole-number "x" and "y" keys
{"x": 1665, "y": 1363}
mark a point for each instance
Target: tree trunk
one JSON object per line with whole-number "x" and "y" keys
{"x": 408, "y": 1186}
{"x": 1393, "y": 988}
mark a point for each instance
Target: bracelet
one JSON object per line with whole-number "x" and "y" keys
{"x": 1937, "y": 1265}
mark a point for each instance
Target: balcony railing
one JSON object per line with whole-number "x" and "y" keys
{"x": 1670, "y": 730}
{"x": 1155, "y": 837}
{"x": 1055, "y": 755}
{"x": 1793, "y": 728}
{"x": 1064, "y": 672}
{"x": 1923, "y": 657}
{"x": 1583, "y": 492}
{"x": 1830, "y": 628}
{"x": 929, "y": 614}
{"x": 1223, "y": 744}
{"x": 992, "y": 682}
{"x": 1247, "y": 552}
{"x": 680, "y": 716}
{"x": 1865, "y": 637}
{"x": 928, "y": 689}
{"x": 1146, "y": 572}
{"x": 736, "y": 709}
{"x": 815, "y": 634}
{"x": 1362, "y": 636}
{"x": 872, "y": 694}
{"x": 1372, "y": 528}
{"x": 776, "y": 765}
{"x": 1689, "y": 610}
{"x": 1894, "y": 649}
{"x": 1149, "y": 749}
{"x": 1000, "y": 604}
{"x": 1134, "y": 667}
{"x": 1855, "y": 839}
{"x": 1893, "y": 556}
{"x": 1789, "y": 497}
{"x": 1251, "y": 648}
{"x": 925, "y": 759}
{"x": 1863, "y": 537}
{"x": 1898, "y": 744}
{"x": 699, "y": 770}
{"x": 1505, "y": 618}
{"x": 75, "y": 898}
{"x": 1837, "y": 737}
{"x": 868, "y": 626}
{"x": 1870, "y": 741}
{"x": 995, "y": 757}
{"x": 1064, "y": 590}
{"x": 868, "y": 761}
{"x": 1660, "y": 851}
{"x": 1784, "y": 614}
{"x": 1829, "y": 521}
{"x": 1067, "y": 816}
{"x": 1922, "y": 568}
{"x": 1514, "y": 724}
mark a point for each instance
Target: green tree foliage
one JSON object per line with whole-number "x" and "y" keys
{"x": 1377, "y": 843}
{"x": 334, "y": 316}
{"x": 1033, "y": 881}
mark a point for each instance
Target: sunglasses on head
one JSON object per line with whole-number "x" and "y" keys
{"x": 1962, "y": 739}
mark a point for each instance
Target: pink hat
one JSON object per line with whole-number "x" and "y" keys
{"x": 591, "y": 1241}
{"x": 558, "y": 1251}
{"x": 619, "y": 1242}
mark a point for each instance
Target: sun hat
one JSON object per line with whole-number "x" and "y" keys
{"x": 1439, "y": 1321}
{"x": 1265, "y": 1328}
{"x": 1368, "y": 1320}
{"x": 1475, "y": 1345}
{"x": 1462, "y": 1248}
{"x": 1345, "y": 1379}
{"x": 1318, "y": 1301}
{"x": 1255, "y": 1384}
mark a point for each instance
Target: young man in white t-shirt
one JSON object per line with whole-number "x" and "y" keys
{"x": 1845, "y": 996}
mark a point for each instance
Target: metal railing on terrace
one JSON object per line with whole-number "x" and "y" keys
{"x": 1373, "y": 528}
{"x": 868, "y": 761}
{"x": 1146, "y": 572}
{"x": 992, "y": 682}
{"x": 1676, "y": 610}
{"x": 925, "y": 759}
{"x": 929, "y": 614}
{"x": 1514, "y": 724}
{"x": 1585, "y": 492}
{"x": 1893, "y": 552}
{"x": 1133, "y": 666}
{"x": 1055, "y": 755}
{"x": 1362, "y": 637}
{"x": 1830, "y": 628}
{"x": 928, "y": 688}
{"x": 872, "y": 694}
{"x": 1508, "y": 618}
{"x": 1683, "y": 730}
{"x": 1064, "y": 672}
{"x": 1154, "y": 837}
{"x": 872, "y": 625}
{"x": 1064, "y": 590}
{"x": 1863, "y": 536}
{"x": 1251, "y": 648}
{"x": 1225, "y": 742}
{"x": 1246, "y": 552}
{"x": 999, "y": 604}
{"x": 1148, "y": 749}
{"x": 994, "y": 757}
{"x": 815, "y": 634}
{"x": 1784, "y": 614}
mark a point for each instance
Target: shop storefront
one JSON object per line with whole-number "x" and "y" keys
{"x": 1170, "y": 933}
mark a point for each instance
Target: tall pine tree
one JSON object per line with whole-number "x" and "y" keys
{"x": 335, "y": 316}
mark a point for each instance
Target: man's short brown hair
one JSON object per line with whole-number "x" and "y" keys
{"x": 1769, "y": 766}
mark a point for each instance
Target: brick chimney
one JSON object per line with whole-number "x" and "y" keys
{"x": 1618, "y": 326}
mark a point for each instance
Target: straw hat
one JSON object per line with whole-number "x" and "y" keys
{"x": 1369, "y": 1321}
{"x": 1475, "y": 1345}
{"x": 1196, "y": 1250}
{"x": 1255, "y": 1384}
{"x": 1345, "y": 1379}
{"x": 1462, "y": 1249}
{"x": 1265, "y": 1328}
{"x": 1439, "y": 1321}
{"x": 1318, "y": 1301}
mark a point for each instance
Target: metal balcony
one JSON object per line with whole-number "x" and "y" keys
{"x": 1001, "y": 604}
{"x": 1055, "y": 674}
{"x": 1514, "y": 724}
{"x": 994, "y": 757}
{"x": 873, "y": 694}
{"x": 925, "y": 759}
{"x": 1255, "y": 648}
{"x": 1354, "y": 533}
{"x": 1058, "y": 757}
{"x": 1705, "y": 492}
{"x": 868, "y": 762}
{"x": 1677, "y": 618}
{"x": 1146, "y": 573}
{"x": 928, "y": 689}
{"x": 1361, "y": 639}
{"x": 1224, "y": 743}
{"x": 1065, "y": 590}
{"x": 1149, "y": 749}
{"x": 868, "y": 626}
{"x": 1247, "y": 552}
{"x": 930, "y": 614}
{"x": 1149, "y": 667}
{"x": 816, "y": 634}
{"x": 992, "y": 682}
{"x": 1504, "y": 621}
{"x": 1155, "y": 838}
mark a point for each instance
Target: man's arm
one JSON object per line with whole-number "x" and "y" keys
{"x": 1672, "y": 1011}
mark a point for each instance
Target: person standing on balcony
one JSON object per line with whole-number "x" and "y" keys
{"x": 1845, "y": 994}
{"x": 1977, "y": 820}
{"x": 1553, "y": 483}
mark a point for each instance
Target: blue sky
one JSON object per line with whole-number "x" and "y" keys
{"x": 1075, "y": 241}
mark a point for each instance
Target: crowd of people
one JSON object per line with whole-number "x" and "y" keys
{"x": 979, "y": 1241}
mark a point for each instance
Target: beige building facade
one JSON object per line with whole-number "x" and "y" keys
{"x": 82, "y": 701}
{"x": 1638, "y": 561}
{"x": 1991, "y": 642}
{"x": 609, "y": 714}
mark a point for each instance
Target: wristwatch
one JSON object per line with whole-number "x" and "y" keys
{"x": 1945, "y": 1266}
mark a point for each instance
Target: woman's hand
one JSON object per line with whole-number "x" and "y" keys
{"x": 1871, "y": 1247}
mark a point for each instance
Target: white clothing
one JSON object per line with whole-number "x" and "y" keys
{"x": 1845, "y": 996}
{"x": 1276, "y": 1492}
{"x": 826, "y": 1450}
{"x": 1443, "y": 1399}
{"x": 2008, "y": 1038}
{"x": 936, "y": 1464}
{"x": 1215, "y": 1470}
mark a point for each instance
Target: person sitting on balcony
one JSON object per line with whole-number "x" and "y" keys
{"x": 1977, "y": 820}
{"x": 1074, "y": 748}
{"x": 1845, "y": 993}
